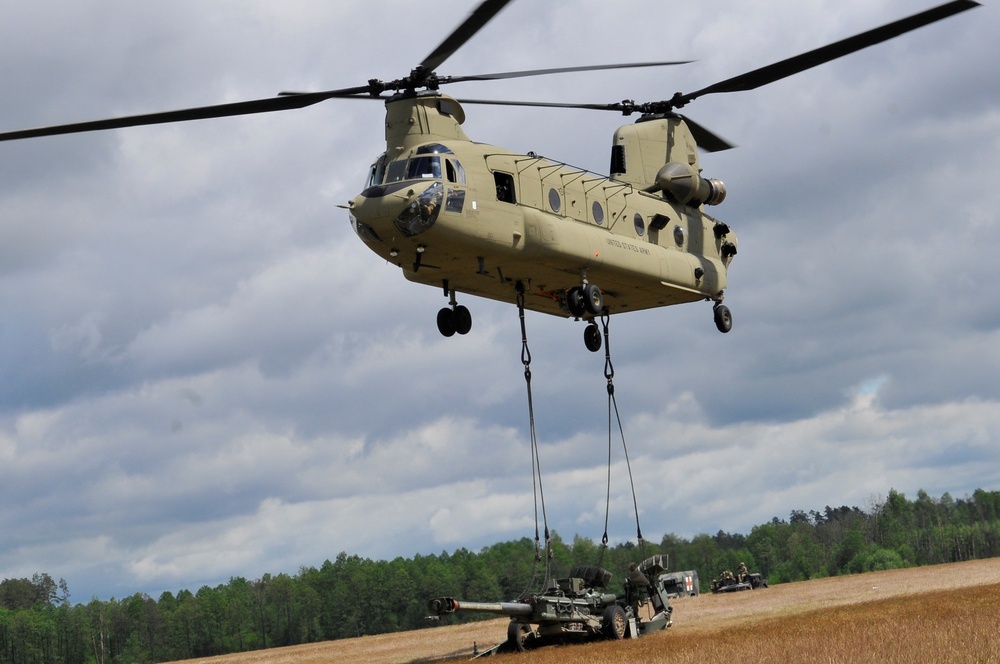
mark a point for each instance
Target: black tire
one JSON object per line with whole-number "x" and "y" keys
{"x": 593, "y": 300}
{"x": 592, "y": 337}
{"x": 446, "y": 322}
{"x": 723, "y": 318}
{"x": 614, "y": 623}
{"x": 518, "y": 636}
{"x": 461, "y": 319}
{"x": 574, "y": 302}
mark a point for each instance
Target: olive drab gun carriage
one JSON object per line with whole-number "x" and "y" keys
{"x": 578, "y": 608}
{"x": 471, "y": 218}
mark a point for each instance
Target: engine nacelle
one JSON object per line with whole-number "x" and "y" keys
{"x": 684, "y": 184}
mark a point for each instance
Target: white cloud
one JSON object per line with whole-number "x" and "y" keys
{"x": 206, "y": 374}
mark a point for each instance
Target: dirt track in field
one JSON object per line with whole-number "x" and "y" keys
{"x": 694, "y": 616}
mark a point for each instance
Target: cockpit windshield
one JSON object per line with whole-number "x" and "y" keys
{"x": 423, "y": 167}
{"x": 429, "y": 162}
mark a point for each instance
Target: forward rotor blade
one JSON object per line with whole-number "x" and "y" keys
{"x": 463, "y": 33}
{"x": 487, "y": 10}
{"x": 266, "y": 105}
{"x": 794, "y": 65}
{"x": 560, "y": 70}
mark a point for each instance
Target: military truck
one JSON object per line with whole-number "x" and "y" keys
{"x": 681, "y": 584}
{"x": 578, "y": 608}
{"x": 727, "y": 583}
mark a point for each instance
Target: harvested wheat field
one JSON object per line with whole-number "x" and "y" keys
{"x": 940, "y": 613}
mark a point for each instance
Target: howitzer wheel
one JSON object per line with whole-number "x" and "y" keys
{"x": 519, "y": 636}
{"x": 615, "y": 623}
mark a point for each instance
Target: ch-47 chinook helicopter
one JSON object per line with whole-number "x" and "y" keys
{"x": 473, "y": 218}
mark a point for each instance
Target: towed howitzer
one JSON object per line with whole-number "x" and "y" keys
{"x": 576, "y": 608}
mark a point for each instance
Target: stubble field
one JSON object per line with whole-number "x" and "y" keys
{"x": 940, "y": 613}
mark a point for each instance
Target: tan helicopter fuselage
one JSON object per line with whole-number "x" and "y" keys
{"x": 474, "y": 218}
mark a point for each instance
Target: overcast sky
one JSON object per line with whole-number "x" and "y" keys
{"x": 206, "y": 374}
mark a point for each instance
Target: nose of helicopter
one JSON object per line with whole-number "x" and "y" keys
{"x": 401, "y": 208}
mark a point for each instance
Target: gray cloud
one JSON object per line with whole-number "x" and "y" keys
{"x": 206, "y": 374}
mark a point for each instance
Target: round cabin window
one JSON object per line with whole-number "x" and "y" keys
{"x": 554, "y": 201}
{"x": 679, "y": 236}
{"x": 598, "y": 212}
{"x": 640, "y": 224}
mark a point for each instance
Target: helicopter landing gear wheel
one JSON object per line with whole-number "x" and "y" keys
{"x": 593, "y": 300}
{"x": 461, "y": 318}
{"x": 519, "y": 637}
{"x": 723, "y": 318}
{"x": 455, "y": 318}
{"x": 450, "y": 321}
{"x": 575, "y": 302}
{"x": 592, "y": 337}
{"x": 445, "y": 324}
{"x": 586, "y": 299}
{"x": 614, "y": 623}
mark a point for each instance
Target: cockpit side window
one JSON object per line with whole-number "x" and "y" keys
{"x": 376, "y": 174}
{"x": 454, "y": 171}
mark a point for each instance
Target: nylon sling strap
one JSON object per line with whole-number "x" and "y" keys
{"x": 538, "y": 493}
{"x": 609, "y": 374}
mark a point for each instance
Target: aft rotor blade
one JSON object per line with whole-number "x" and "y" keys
{"x": 560, "y": 70}
{"x": 794, "y": 65}
{"x": 543, "y": 104}
{"x": 463, "y": 33}
{"x": 705, "y": 138}
{"x": 266, "y": 105}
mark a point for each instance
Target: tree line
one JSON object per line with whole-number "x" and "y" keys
{"x": 353, "y": 596}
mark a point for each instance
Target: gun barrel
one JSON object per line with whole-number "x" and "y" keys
{"x": 443, "y": 605}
